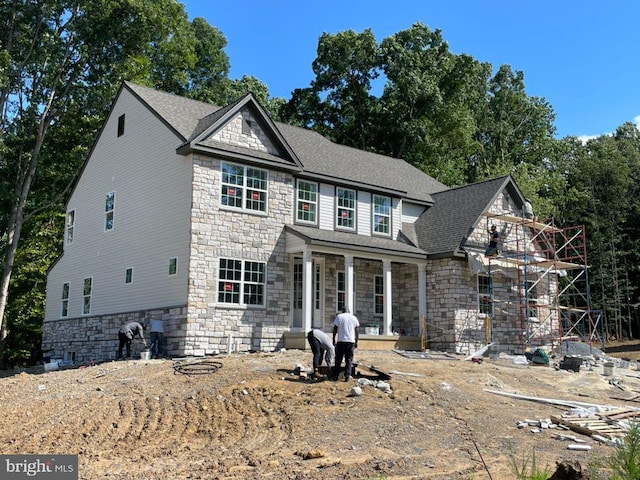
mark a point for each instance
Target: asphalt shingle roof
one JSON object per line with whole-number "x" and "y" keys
{"x": 440, "y": 230}
{"x": 318, "y": 155}
{"x": 443, "y": 228}
{"x": 350, "y": 241}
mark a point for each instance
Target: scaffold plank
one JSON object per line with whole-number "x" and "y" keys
{"x": 506, "y": 217}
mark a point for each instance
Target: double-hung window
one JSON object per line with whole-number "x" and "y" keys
{"x": 70, "y": 225}
{"x": 241, "y": 282}
{"x": 381, "y": 215}
{"x": 173, "y": 266}
{"x": 244, "y": 188}
{"x": 64, "y": 310}
{"x": 307, "y": 201}
{"x": 532, "y": 298}
{"x": 378, "y": 295}
{"x": 484, "y": 294}
{"x": 109, "y": 207}
{"x": 341, "y": 291}
{"x": 86, "y": 295}
{"x": 346, "y": 209}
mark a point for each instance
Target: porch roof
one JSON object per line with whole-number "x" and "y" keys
{"x": 337, "y": 242}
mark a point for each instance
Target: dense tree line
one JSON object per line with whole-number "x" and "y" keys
{"x": 408, "y": 96}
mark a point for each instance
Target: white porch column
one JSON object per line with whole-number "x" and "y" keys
{"x": 307, "y": 289}
{"x": 422, "y": 293}
{"x": 348, "y": 274}
{"x": 388, "y": 296}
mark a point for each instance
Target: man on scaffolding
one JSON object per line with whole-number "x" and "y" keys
{"x": 494, "y": 242}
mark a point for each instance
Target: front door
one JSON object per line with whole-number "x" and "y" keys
{"x": 317, "y": 292}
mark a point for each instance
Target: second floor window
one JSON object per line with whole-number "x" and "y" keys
{"x": 109, "y": 207}
{"x": 71, "y": 223}
{"x": 307, "y": 201}
{"x": 128, "y": 275}
{"x": 346, "y": 209}
{"x": 244, "y": 188}
{"x": 381, "y": 215}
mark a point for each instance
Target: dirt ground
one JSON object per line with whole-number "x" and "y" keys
{"x": 250, "y": 416}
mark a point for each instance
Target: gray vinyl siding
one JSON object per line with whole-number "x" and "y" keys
{"x": 411, "y": 211}
{"x": 151, "y": 220}
{"x": 327, "y": 206}
{"x": 396, "y": 217}
{"x": 363, "y": 213}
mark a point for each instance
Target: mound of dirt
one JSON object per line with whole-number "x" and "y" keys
{"x": 251, "y": 416}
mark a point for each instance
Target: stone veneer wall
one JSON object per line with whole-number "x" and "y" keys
{"x": 96, "y": 337}
{"x": 235, "y": 133}
{"x": 451, "y": 299}
{"x": 406, "y": 299}
{"x": 244, "y": 236}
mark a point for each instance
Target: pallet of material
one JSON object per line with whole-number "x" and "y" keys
{"x": 621, "y": 413}
{"x": 593, "y": 425}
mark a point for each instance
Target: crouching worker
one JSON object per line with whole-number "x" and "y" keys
{"x": 322, "y": 348}
{"x": 127, "y": 333}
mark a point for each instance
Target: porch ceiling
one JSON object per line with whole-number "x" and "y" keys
{"x": 329, "y": 241}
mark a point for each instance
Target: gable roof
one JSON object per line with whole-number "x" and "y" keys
{"x": 315, "y": 155}
{"x": 443, "y": 228}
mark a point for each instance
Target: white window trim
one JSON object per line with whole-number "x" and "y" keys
{"x": 65, "y": 300}
{"x": 112, "y": 211}
{"x": 242, "y": 284}
{"x": 338, "y": 291}
{"x": 479, "y": 295}
{"x": 354, "y": 210}
{"x": 70, "y": 226}
{"x": 374, "y": 214}
{"x": 375, "y": 294}
{"x": 244, "y": 188}
{"x": 125, "y": 275}
{"x": 169, "y": 271}
{"x": 300, "y": 201}
{"x": 85, "y": 296}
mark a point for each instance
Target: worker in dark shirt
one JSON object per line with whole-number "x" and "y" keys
{"x": 127, "y": 333}
{"x": 494, "y": 242}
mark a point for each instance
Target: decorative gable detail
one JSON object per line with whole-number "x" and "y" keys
{"x": 245, "y": 131}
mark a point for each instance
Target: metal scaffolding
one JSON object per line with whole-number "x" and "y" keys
{"x": 539, "y": 285}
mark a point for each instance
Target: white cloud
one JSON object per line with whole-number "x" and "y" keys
{"x": 636, "y": 120}
{"x": 585, "y": 138}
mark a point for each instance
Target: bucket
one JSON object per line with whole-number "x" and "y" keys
{"x": 608, "y": 369}
{"x": 51, "y": 366}
{"x": 146, "y": 355}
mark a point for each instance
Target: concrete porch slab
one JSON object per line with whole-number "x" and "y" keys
{"x": 298, "y": 341}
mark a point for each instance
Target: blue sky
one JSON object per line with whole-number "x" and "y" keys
{"x": 583, "y": 57}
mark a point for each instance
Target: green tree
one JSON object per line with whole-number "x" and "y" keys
{"x": 338, "y": 104}
{"x": 602, "y": 177}
{"x": 431, "y": 103}
{"x": 60, "y": 64}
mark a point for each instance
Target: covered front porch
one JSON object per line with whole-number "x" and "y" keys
{"x": 382, "y": 281}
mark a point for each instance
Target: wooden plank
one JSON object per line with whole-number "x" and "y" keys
{"x": 589, "y": 426}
